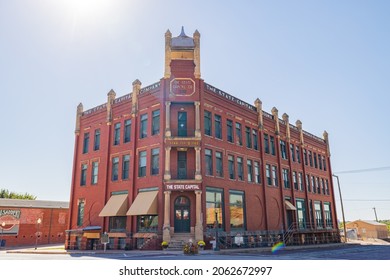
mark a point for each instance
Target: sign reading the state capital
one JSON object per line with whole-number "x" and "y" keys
{"x": 182, "y": 86}
{"x": 182, "y": 187}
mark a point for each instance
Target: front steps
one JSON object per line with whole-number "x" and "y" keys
{"x": 178, "y": 240}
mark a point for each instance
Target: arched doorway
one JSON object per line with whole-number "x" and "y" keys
{"x": 182, "y": 214}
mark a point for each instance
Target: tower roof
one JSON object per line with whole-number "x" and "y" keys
{"x": 182, "y": 42}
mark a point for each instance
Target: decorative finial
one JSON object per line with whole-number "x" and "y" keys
{"x": 182, "y": 33}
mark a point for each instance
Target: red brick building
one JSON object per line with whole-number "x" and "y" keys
{"x": 162, "y": 162}
{"x": 32, "y": 222}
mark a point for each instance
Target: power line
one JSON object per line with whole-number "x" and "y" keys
{"x": 364, "y": 170}
{"x": 367, "y": 200}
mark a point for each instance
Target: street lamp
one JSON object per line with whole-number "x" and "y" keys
{"x": 2, "y": 232}
{"x": 216, "y": 231}
{"x": 342, "y": 208}
{"x": 37, "y": 233}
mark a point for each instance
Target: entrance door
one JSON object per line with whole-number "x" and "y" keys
{"x": 182, "y": 124}
{"x": 182, "y": 165}
{"x": 182, "y": 214}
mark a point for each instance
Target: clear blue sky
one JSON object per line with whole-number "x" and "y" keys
{"x": 323, "y": 62}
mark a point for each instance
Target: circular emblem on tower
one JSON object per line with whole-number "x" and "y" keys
{"x": 182, "y": 86}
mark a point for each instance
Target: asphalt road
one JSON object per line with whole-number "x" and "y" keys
{"x": 348, "y": 252}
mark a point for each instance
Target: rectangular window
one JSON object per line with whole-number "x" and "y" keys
{"x": 117, "y": 134}
{"x": 229, "y": 130}
{"x": 323, "y": 186}
{"x": 214, "y": 207}
{"x": 266, "y": 144}
{"x": 286, "y": 179}
{"x": 237, "y": 206}
{"x": 142, "y": 164}
{"x": 255, "y": 139}
{"x": 83, "y": 179}
{"x": 300, "y": 181}
{"x": 298, "y": 154}
{"x": 209, "y": 162}
{"x": 310, "y": 159}
{"x": 318, "y": 185}
{"x": 115, "y": 169}
{"x": 125, "y": 167}
{"x": 320, "y": 162}
{"x": 96, "y": 144}
{"x": 313, "y": 184}
{"x": 308, "y": 183}
{"x": 143, "y": 130}
{"x": 155, "y": 161}
{"x": 305, "y": 156}
{"x": 117, "y": 224}
{"x": 147, "y": 223}
{"x": 250, "y": 170}
{"x": 292, "y": 151}
{"x": 155, "y": 122}
{"x": 268, "y": 174}
{"x": 218, "y": 126}
{"x": 315, "y": 159}
{"x": 324, "y": 163}
{"x": 248, "y": 137}
{"x": 86, "y": 143}
{"x": 301, "y": 213}
{"x": 219, "y": 164}
{"x": 231, "y": 167}
{"x": 182, "y": 124}
{"x": 318, "y": 212}
{"x": 80, "y": 212}
{"x": 283, "y": 149}
{"x": 207, "y": 123}
{"x": 327, "y": 187}
{"x": 95, "y": 171}
{"x": 240, "y": 169}
{"x": 238, "y": 134}
{"x": 295, "y": 181}
{"x": 328, "y": 215}
{"x": 275, "y": 176}
{"x": 273, "y": 150}
{"x": 257, "y": 172}
{"x": 127, "y": 132}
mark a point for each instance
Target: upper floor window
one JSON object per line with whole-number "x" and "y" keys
{"x": 209, "y": 162}
{"x": 125, "y": 167}
{"x": 315, "y": 160}
{"x": 83, "y": 178}
{"x": 310, "y": 159}
{"x": 86, "y": 143}
{"x": 305, "y": 156}
{"x": 286, "y": 178}
{"x": 240, "y": 169}
{"x": 255, "y": 139}
{"x": 229, "y": 130}
{"x": 155, "y": 161}
{"x": 155, "y": 122}
{"x": 257, "y": 172}
{"x": 115, "y": 169}
{"x": 292, "y": 150}
{"x": 219, "y": 164}
{"x": 272, "y": 141}
{"x": 275, "y": 181}
{"x": 96, "y": 144}
{"x": 248, "y": 137}
{"x": 300, "y": 181}
{"x": 144, "y": 126}
{"x": 117, "y": 133}
{"x": 238, "y": 134}
{"x": 266, "y": 143}
{"x": 268, "y": 174}
{"x": 231, "y": 167}
{"x": 95, "y": 170}
{"x": 142, "y": 164}
{"x": 218, "y": 126}
{"x": 127, "y": 132}
{"x": 283, "y": 149}
{"x": 320, "y": 162}
{"x": 207, "y": 123}
{"x": 250, "y": 170}
{"x": 295, "y": 181}
{"x": 298, "y": 153}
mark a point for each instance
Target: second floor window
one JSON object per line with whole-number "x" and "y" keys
{"x": 250, "y": 170}
{"x": 83, "y": 179}
{"x": 86, "y": 143}
{"x": 219, "y": 164}
{"x": 209, "y": 162}
{"x": 95, "y": 170}
{"x": 155, "y": 161}
{"x": 96, "y": 144}
{"x": 231, "y": 167}
{"x": 115, "y": 169}
{"x": 156, "y": 122}
{"x": 240, "y": 169}
{"x": 218, "y": 126}
{"x": 207, "y": 123}
{"x": 257, "y": 173}
{"x": 125, "y": 167}
{"x": 127, "y": 132}
{"x": 142, "y": 164}
{"x": 286, "y": 178}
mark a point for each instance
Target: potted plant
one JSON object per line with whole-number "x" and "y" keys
{"x": 164, "y": 244}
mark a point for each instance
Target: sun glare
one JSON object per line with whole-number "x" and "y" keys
{"x": 89, "y": 8}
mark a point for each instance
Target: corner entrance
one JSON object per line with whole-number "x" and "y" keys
{"x": 182, "y": 214}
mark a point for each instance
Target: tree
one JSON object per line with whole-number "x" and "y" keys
{"x": 4, "y": 193}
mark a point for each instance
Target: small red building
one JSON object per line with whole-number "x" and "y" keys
{"x": 181, "y": 159}
{"x": 32, "y": 222}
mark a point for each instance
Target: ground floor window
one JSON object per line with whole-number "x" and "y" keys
{"x": 328, "y": 215}
{"x": 214, "y": 207}
{"x": 301, "y": 213}
{"x": 117, "y": 223}
{"x": 237, "y": 206}
{"x": 147, "y": 223}
{"x": 318, "y": 210}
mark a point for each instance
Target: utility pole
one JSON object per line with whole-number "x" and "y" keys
{"x": 376, "y": 217}
{"x": 342, "y": 208}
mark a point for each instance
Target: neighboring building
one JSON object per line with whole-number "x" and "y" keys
{"x": 368, "y": 229}
{"x": 31, "y": 222}
{"x": 162, "y": 162}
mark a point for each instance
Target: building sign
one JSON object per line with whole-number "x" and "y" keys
{"x": 9, "y": 221}
{"x": 182, "y": 86}
{"x": 229, "y": 97}
{"x": 183, "y": 143}
{"x": 182, "y": 187}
